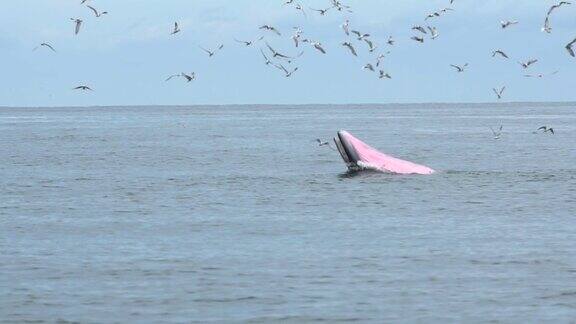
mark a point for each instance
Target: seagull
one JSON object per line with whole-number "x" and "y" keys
{"x": 360, "y": 35}
{"x": 556, "y": 6}
{"x": 346, "y": 27}
{"x": 369, "y": 67}
{"x": 176, "y": 29}
{"x": 418, "y": 39}
{"x": 350, "y": 47}
{"x": 78, "y": 23}
{"x": 83, "y": 1}
{"x": 433, "y": 32}
{"x": 384, "y": 75}
{"x": 371, "y": 47}
{"x": 45, "y": 45}
{"x": 547, "y": 129}
{"x": 499, "y": 52}
{"x": 506, "y": 24}
{"x": 212, "y": 53}
{"x": 390, "y": 41}
{"x": 321, "y": 11}
{"x": 276, "y": 54}
{"x": 249, "y": 43}
{"x": 380, "y": 58}
{"x": 569, "y": 47}
{"x": 458, "y": 68}
{"x": 546, "y": 27}
{"x": 420, "y": 29}
{"x": 296, "y": 36}
{"x": 528, "y": 63}
{"x": 267, "y": 60}
{"x": 83, "y": 88}
{"x": 499, "y": 92}
{"x": 300, "y": 8}
{"x": 322, "y": 143}
{"x": 98, "y": 14}
{"x": 288, "y": 73}
{"x": 270, "y": 28}
{"x": 497, "y": 134}
{"x": 188, "y": 78}
{"x": 539, "y": 75}
{"x": 318, "y": 46}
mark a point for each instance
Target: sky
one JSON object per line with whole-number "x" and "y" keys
{"x": 126, "y": 55}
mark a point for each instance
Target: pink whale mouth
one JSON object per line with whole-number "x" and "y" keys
{"x": 360, "y": 156}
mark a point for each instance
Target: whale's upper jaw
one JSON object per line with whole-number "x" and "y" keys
{"x": 347, "y": 151}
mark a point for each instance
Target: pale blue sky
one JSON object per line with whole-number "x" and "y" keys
{"x": 126, "y": 55}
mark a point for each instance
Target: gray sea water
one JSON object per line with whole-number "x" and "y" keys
{"x": 234, "y": 214}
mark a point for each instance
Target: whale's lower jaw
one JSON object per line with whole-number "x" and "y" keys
{"x": 360, "y": 156}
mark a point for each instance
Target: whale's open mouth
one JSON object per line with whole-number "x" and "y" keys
{"x": 360, "y": 156}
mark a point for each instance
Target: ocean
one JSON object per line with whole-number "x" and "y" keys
{"x": 229, "y": 214}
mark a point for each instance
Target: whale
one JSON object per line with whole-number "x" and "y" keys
{"x": 360, "y": 156}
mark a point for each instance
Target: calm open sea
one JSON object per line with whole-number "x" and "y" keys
{"x": 234, "y": 214}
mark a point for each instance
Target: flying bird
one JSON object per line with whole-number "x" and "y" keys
{"x": 45, "y": 45}
{"x": 371, "y": 47}
{"x": 270, "y": 28}
{"x": 346, "y": 27}
{"x": 249, "y": 43}
{"x": 569, "y": 47}
{"x": 98, "y": 14}
{"x": 540, "y": 75}
{"x": 499, "y": 52}
{"x": 276, "y": 54}
{"x": 528, "y": 63}
{"x": 459, "y": 68}
{"x": 267, "y": 61}
{"x": 212, "y": 53}
{"x": 83, "y": 88}
{"x": 287, "y": 73}
{"x": 322, "y": 12}
{"x": 433, "y": 32}
{"x": 380, "y": 58}
{"x": 176, "y": 29}
{"x": 546, "y": 129}
{"x": 384, "y": 75}
{"x": 77, "y": 25}
{"x": 556, "y": 6}
{"x": 318, "y": 46}
{"x": 499, "y": 92}
{"x": 418, "y": 39}
{"x": 350, "y": 47}
{"x": 360, "y": 35}
{"x": 420, "y": 29}
{"x": 507, "y": 23}
{"x": 497, "y": 134}
{"x": 188, "y": 77}
{"x": 369, "y": 67}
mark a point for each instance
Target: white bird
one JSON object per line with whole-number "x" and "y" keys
{"x": 98, "y": 14}
{"x": 77, "y": 25}
{"x": 287, "y": 73}
{"x": 45, "y": 45}
{"x": 384, "y": 75}
{"x": 459, "y": 68}
{"x": 433, "y": 32}
{"x": 497, "y": 134}
{"x": 569, "y": 47}
{"x": 249, "y": 43}
{"x": 528, "y": 63}
{"x": 350, "y": 47}
{"x": 368, "y": 67}
{"x": 499, "y": 52}
{"x": 371, "y": 47}
{"x": 176, "y": 29}
{"x": 346, "y": 27}
{"x": 499, "y": 92}
{"x": 324, "y": 143}
{"x": 276, "y": 54}
{"x": 188, "y": 77}
{"x": 296, "y": 36}
{"x": 507, "y": 23}
{"x": 390, "y": 41}
{"x": 556, "y": 6}
{"x": 546, "y": 28}
{"x": 212, "y": 53}
{"x": 318, "y": 46}
{"x": 360, "y": 35}
{"x": 380, "y": 58}
{"x": 322, "y": 12}
{"x": 547, "y": 129}
{"x": 301, "y": 9}
{"x": 270, "y": 28}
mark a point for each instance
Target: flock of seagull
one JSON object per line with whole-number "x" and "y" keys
{"x": 284, "y": 63}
